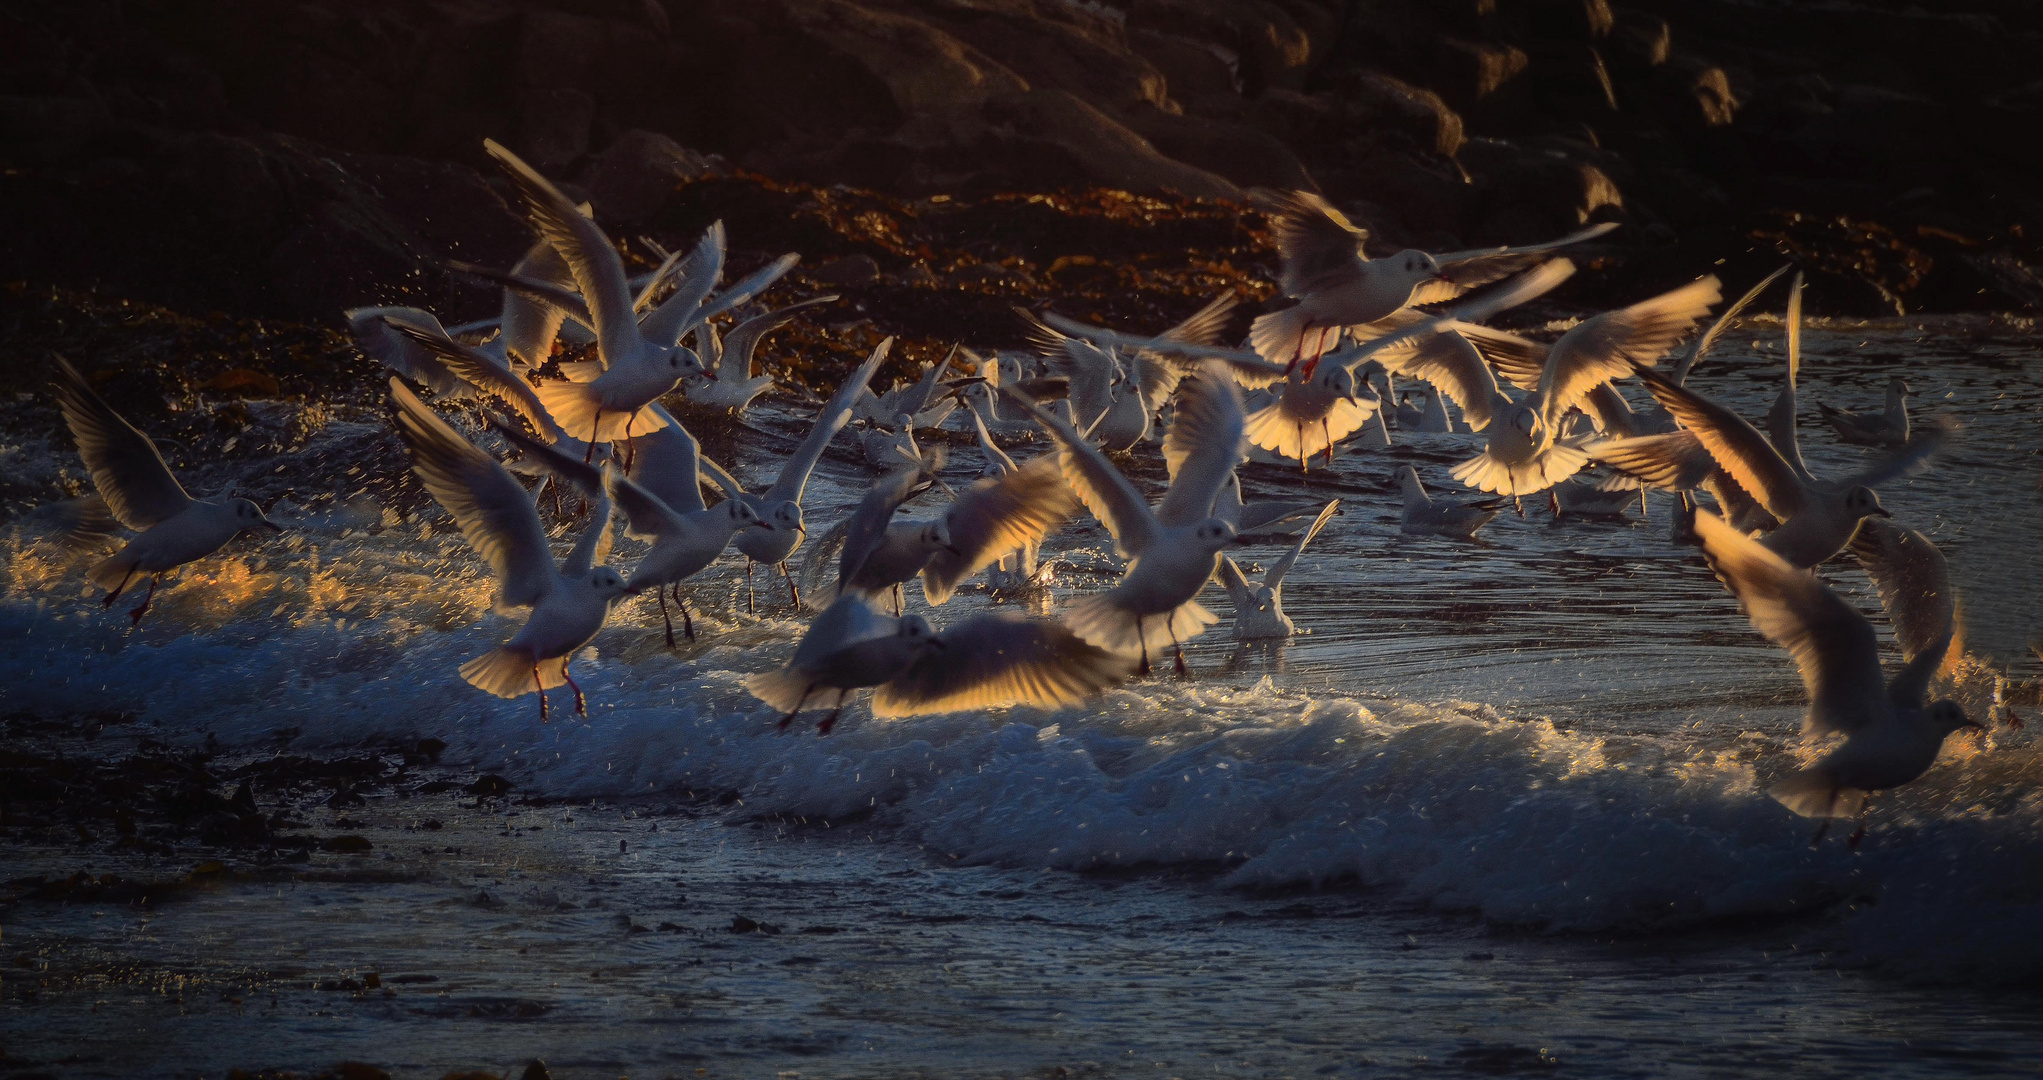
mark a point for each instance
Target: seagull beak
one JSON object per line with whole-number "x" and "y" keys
{"x": 953, "y": 549}
{"x": 1883, "y": 511}
{"x": 272, "y": 526}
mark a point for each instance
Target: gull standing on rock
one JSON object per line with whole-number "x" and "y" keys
{"x": 781, "y": 505}
{"x": 570, "y": 603}
{"x": 982, "y": 663}
{"x": 1337, "y": 286}
{"x": 139, "y": 492}
{"x": 1892, "y": 734}
{"x": 1173, "y": 549}
{"x": 1259, "y": 609}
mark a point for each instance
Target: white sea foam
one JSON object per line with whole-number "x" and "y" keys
{"x": 339, "y": 639}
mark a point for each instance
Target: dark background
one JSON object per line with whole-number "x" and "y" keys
{"x": 289, "y": 159}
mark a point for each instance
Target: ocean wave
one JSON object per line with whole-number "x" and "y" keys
{"x": 337, "y": 641}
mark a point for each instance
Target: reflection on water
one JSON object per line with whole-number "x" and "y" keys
{"x": 1501, "y": 806}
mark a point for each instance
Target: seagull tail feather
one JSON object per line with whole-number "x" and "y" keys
{"x": 1811, "y": 793}
{"x": 1097, "y": 620}
{"x": 508, "y": 673}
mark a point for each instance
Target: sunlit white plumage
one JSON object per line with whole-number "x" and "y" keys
{"x": 1259, "y": 606}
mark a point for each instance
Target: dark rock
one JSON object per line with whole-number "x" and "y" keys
{"x": 553, "y": 125}
{"x": 347, "y": 845}
{"x": 633, "y": 176}
{"x": 849, "y": 270}
{"x": 1240, "y": 153}
{"x": 1104, "y": 150}
{"x": 490, "y": 785}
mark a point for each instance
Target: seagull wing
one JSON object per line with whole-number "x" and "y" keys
{"x": 794, "y": 476}
{"x": 1203, "y": 446}
{"x": 1239, "y": 592}
{"x": 1274, "y": 577}
{"x": 1736, "y": 445}
{"x": 745, "y": 337}
{"x": 1098, "y": 484}
{"x": 1454, "y": 366}
{"x": 494, "y": 511}
{"x": 125, "y": 466}
{"x": 699, "y": 273}
{"x": 997, "y": 660}
{"x": 668, "y": 463}
{"x": 379, "y": 341}
{"x": 571, "y": 470}
{"x": 477, "y": 370}
{"x": 1700, "y": 347}
{"x": 1461, "y": 271}
{"x": 645, "y": 515}
{"x": 1832, "y": 644}
{"x": 1673, "y": 461}
{"x": 592, "y": 548}
{"x": 1920, "y": 448}
{"x": 866, "y": 530}
{"x": 747, "y": 287}
{"x": 995, "y": 516}
{"x": 597, "y": 270}
{"x": 1914, "y": 583}
{"x": 1315, "y": 241}
{"x": 1605, "y": 347}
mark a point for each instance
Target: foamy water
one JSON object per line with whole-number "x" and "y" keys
{"x": 1566, "y": 729}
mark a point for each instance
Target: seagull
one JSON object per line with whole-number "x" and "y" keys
{"x": 1914, "y": 583}
{"x": 1115, "y": 393}
{"x": 1173, "y": 549}
{"x": 1337, "y": 286}
{"x": 923, "y": 401}
{"x": 638, "y": 360}
{"x": 781, "y": 504}
{"x": 1526, "y": 452}
{"x": 1319, "y": 406}
{"x": 1259, "y": 609}
{"x": 874, "y": 553}
{"x": 139, "y": 492}
{"x": 1892, "y": 734}
{"x": 984, "y": 662}
{"x": 569, "y": 603}
{"x": 1423, "y": 514}
{"x": 1889, "y": 429}
{"x": 1408, "y": 416}
{"x": 887, "y": 446}
{"x": 1582, "y": 496}
{"x": 1260, "y": 516}
{"x": 730, "y": 357}
{"x": 686, "y": 534}
{"x": 1817, "y": 516}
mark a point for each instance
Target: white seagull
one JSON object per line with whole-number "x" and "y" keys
{"x": 1892, "y": 733}
{"x": 781, "y": 504}
{"x": 1173, "y": 549}
{"x": 1259, "y": 608}
{"x": 138, "y": 491}
{"x": 730, "y": 356}
{"x": 982, "y": 663}
{"x": 1423, "y": 514}
{"x": 570, "y": 603}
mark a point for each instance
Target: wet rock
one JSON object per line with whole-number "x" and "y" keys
{"x": 349, "y": 844}
{"x": 356, "y": 1070}
{"x": 490, "y": 785}
{"x": 535, "y": 1070}
{"x": 849, "y": 270}
{"x": 742, "y": 925}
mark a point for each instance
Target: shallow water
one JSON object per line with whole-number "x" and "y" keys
{"x": 1505, "y": 800}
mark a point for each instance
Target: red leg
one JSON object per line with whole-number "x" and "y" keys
{"x": 664, "y": 617}
{"x": 539, "y": 684}
{"x": 1327, "y": 434}
{"x": 1143, "y": 641}
{"x": 581, "y": 703}
{"x": 830, "y": 721}
{"x": 796, "y": 711}
{"x": 1177, "y": 646}
{"x": 794, "y": 594}
{"x": 135, "y": 616}
{"x": 750, "y": 607}
{"x": 123, "y": 587}
{"x": 596, "y": 425}
{"x": 687, "y": 622}
{"x": 1304, "y": 458}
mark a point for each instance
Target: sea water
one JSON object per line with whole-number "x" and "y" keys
{"x": 1501, "y": 807}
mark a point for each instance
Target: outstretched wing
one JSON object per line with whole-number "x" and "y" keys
{"x": 995, "y": 516}
{"x": 997, "y": 660}
{"x": 1607, "y": 346}
{"x": 1203, "y": 446}
{"x": 1914, "y": 583}
{"x": 1097, "y": 482}
{"x": 1832, "y": 644}
{"x": 1737, "y": 446}
{"x": 494, "y": 511}
{"x": 125, "y": 466}
{"x": 794, "y": 476}
{"x": 1314, "y": 240}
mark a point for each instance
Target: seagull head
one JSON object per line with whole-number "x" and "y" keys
{"x": 1214, "y": 533}
{"x": 788, "y": 516}
{"x": 684, "y": 362}
{"x": 743, "y": 516}
{"x": 1947, "y": 716}
{"x": 251, "y": 516}
{"x": 608, "y": 582}
{"x": 1862, "y": 502}
{"x": 1417, "y": 266}
{"x": 937, "y": 534}
{"x": 917, "y": 628}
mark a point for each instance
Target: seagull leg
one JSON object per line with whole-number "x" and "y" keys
{"x": 794, "y": 594}
{"x": 1143, "y": 641}
{"x": 687, "y": 621}
{"x": 1304, "y": 456}
{"x": 897, "y": 599}
{"x": 581, "y": 703}
{"x": 830, "y": 721}
{"x": 1645, "y": 512}
{"x": 1553, "y": 499}
{"x": 630, "y": 448}
{"x": 1821, "y": 831}
{"x": 539, "y": 684}
{"x": 596, "y": 425}
{"x": 1859, "y": 833}
{"x": 135, "y": 616}
{"x": 750, "y": 607}
{"x": 796, "y": 711}
{"x": 123, "y": 587}
{"x": 1518, "y": 504}
{"x": 661, "y": 593}
{"x": 1327, "y": 435}
{"x": 1176, "y": 645}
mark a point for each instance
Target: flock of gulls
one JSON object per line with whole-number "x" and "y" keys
{"x": 1310, "y": 379}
